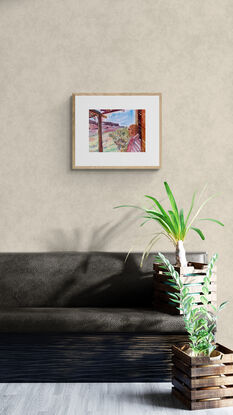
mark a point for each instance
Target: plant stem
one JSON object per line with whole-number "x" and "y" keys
{"x": 181, "y": 260}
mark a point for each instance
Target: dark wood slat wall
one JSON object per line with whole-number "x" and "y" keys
{"x": 87, "y": 357}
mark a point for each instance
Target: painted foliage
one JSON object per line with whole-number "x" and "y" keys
{"x": 117, "y": 130}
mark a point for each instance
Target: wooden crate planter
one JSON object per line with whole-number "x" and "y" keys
{"x": 192, "y": 276}
{"x": 201, "y": 383}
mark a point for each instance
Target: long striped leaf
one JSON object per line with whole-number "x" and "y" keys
{"x": 130, "y": 206}
{"x": 174, "y": 222}
{"x": 213, "y": 220}
{"x": 199, "y": 232}
{"x": 160, "y": 221}
{"x": 190, "y": 209}
{"x": 163, "y": 211}
{"x": 165, "y": 219}
{"x": 149, "y": 247}
{"x": 172, "y": 200}
{"x": 199, "y": 210}
{"x": 145, "y": 221}
{"x": 153, "y": 212}
{"x": 182, "y": 225}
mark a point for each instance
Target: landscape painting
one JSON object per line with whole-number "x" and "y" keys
{"x": 117, "y": 130}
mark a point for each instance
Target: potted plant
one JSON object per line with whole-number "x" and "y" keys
{"x": 175, "y": 225}
{"x": 202, "y": 369}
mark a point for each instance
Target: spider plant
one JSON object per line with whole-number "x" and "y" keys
{"x": 200, "y": 323}
{"x": 175, "y": 225}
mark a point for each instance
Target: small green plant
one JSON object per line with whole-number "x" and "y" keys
{"x": 120, "y": 138}
{"x": 175, "y": 225}
{"x": 200, "y": 323}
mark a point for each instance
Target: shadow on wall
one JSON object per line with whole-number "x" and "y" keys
{"x": 99, "y": 239}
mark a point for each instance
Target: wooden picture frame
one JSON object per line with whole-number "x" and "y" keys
{"x": 136, "y": 146}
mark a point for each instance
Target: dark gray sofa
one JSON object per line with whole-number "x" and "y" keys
{"x": 72, "y": 316}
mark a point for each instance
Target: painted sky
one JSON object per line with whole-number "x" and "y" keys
{"x": 123, "y": 118}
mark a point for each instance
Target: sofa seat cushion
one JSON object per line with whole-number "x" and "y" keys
{"x": 87, "y": 320}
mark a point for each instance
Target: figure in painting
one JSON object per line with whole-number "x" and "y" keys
{"x": 135, "y": 142}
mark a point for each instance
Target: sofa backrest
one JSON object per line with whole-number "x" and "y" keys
{"x": 78, "y": 279}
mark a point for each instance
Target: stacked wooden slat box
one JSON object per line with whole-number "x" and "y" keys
{"x": 192, "y": 276}
{"x": 201, "y": 383}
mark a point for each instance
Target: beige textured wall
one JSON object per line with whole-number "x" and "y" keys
{"x": 51, "y": 48}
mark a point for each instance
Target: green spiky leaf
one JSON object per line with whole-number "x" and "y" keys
{"x": 199, "y": 232}
{"x": 213, "y": 220}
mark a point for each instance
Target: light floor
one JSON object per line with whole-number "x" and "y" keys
{"x": 93, "y": 398}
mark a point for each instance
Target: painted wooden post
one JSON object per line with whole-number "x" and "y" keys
{"x": 140, "y": 121}
{"x": 100, "y": 133}
{"x": 143, "y": 121}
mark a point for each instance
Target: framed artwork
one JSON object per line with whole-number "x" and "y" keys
{"x": 116, "y": 131}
